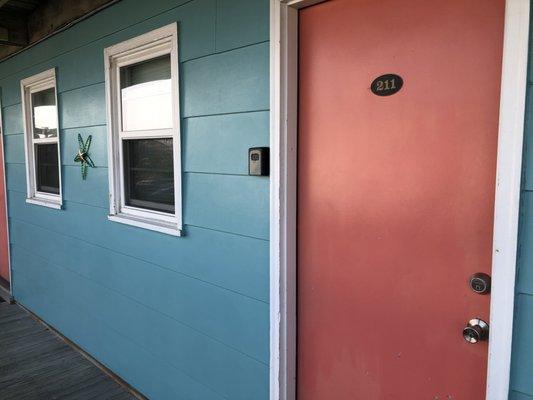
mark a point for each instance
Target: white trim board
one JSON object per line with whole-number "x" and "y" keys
{"x": 283, "y": 143}
{"x": 507, "y": 197}
{"x": 283, "y": 134}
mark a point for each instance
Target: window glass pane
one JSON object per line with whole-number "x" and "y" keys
{"x": 145, "y": 90}
{"x": 44, "y": 113}
{"x": 47, "y": 168}
{"x": 149, "y": 174}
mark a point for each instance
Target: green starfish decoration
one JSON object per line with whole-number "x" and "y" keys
{"x": 83, "y": 155}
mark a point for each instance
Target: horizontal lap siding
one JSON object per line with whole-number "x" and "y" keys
{"x": 522, "y": 356}
{"x": 519, "y": 396}
{"x": 175, "y": 317}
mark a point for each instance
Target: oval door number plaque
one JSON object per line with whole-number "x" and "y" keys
{"x": 386, "y": 85}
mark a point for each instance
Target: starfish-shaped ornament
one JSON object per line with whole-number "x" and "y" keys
{"x": 83, "y": 155}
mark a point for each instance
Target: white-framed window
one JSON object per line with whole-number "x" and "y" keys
{"x": 41, "y": 139}
{"x": 142, "y": 89}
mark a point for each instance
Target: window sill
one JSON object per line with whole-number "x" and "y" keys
{"x": 44, "y": 203}
{"x": 153, "y": 225}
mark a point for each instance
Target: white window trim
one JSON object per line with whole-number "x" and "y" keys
{"x": 32, "y": 84}
{"x": 283, "y": 204}
{"x": 144, "y": 47}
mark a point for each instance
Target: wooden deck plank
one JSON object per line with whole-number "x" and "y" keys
{"x": 121, "y": 396}
{"x": 74, "y": 387}
{"x": 36, "y": 364}
{"x": 39, "y": 368}
{"x": 96, "y": 389}
{"x": 55, "y": 385}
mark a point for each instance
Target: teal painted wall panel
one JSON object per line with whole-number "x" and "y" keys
{"x": 241, "y": 22}
{"x": 82, "y": 107}
{"x": 12, "y": 119}
{"x": 237, "y": 204}
{"x": 235, "y": 81}
{"x": 523, "y": 345}
{"x": 14, "y": 149}
{"x": 230, "y": 135}
{"x": 527, "y": 176}
{"x": 80, "y": 67}
{"x": 11, "y": 89}
{"x": 193, "y": 308}
{"x": 91, "y": 191}
{"x": 210, "y": 309}
{"x": 519, "y": 396}
{"x": 232, "y": 261}
{"x": 16, "y": 178}
{"x": 524, "y": 283}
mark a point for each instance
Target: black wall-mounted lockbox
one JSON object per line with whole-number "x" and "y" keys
{"x": 259, "y": 161}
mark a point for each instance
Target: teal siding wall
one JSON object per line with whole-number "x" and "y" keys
{"x": 178, "y": 318}
{"x": 522, "y": 364}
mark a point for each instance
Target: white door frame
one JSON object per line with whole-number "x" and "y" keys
{"x": 283, "y": 190}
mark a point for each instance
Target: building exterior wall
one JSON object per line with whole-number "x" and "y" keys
{"x": 176, "y": 317}
{"x": 521, "y": 386}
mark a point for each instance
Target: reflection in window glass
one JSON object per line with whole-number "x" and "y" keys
{"x": 146, "y": 95}
{"x": 47, "y": 168}
{"x": 44, "y": 114}
{"x": 149, "y": 174}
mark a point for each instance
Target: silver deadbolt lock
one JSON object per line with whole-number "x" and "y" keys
{"x": 477, "y": 330}
{"x": 480, "y": 283}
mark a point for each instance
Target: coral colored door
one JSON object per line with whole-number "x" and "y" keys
{"x": 395, "y": 196}
{"x": 4, "y": 241}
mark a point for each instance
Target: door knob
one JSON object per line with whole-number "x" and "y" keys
{"x": 477, "y": 330}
